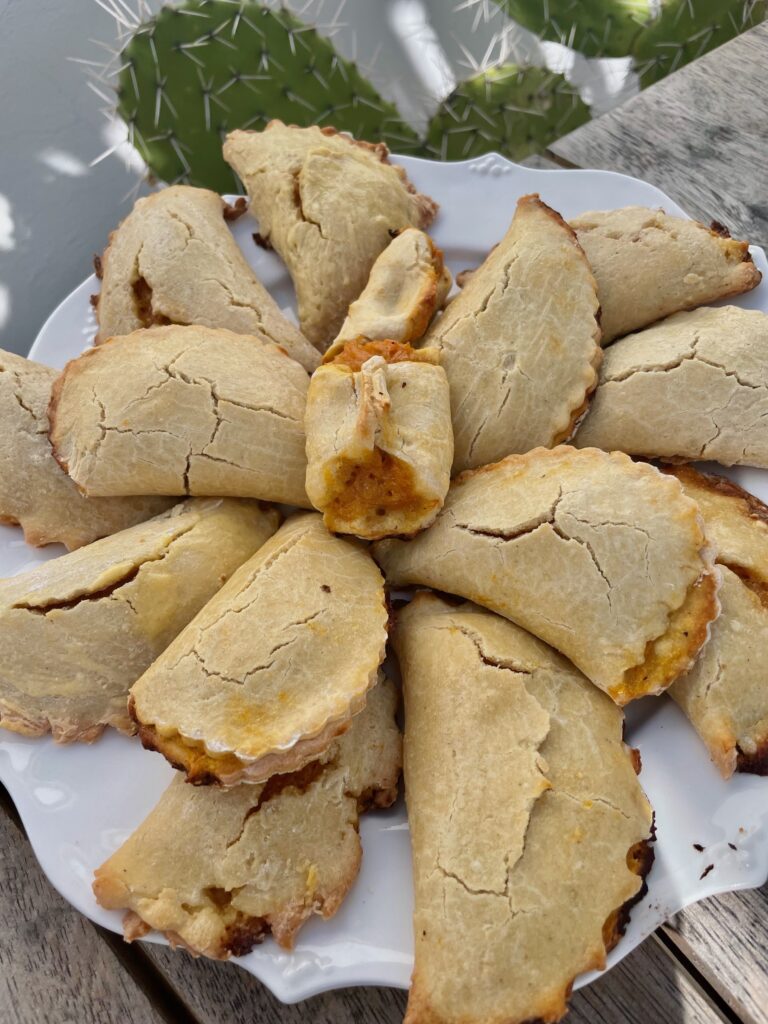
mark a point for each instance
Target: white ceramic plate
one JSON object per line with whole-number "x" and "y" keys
{"x": 79, "y": 803}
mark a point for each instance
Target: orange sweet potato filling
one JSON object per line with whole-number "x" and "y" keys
{"x": 356, "y": 352}
{"x": 381, "y": 485}
{"x": 671, "y": 654}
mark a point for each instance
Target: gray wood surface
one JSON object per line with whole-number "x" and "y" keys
{"x": 701, "y": 135}
{"x": 54, "y": 965}
{"x": 727, "y": 940}
{"x": 648, "y": 985}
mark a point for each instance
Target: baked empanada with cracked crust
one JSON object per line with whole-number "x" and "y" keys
{"x": 77, "y": 631}
{"x": 408, "y": 283}
{"x": 725, "y": 694}
{"x": 174, "y": 261}
{"x": 379, "y": 439}
{"x": 604, "y": 559}
{"x": 183, "y": 410}
{"x": 216, "y": 870}
{"x": 649, "y": 265}
{"x": 328, "y": 205}
{"x": 694, "y": 386}
{"x": 520, "y": 343}
{"x": 35, "y": 492}
{"x": 530, "y": 831}
{"x": 274, "y": 667}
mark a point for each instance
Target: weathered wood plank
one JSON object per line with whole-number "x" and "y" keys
{"x": 54, "y": 966}
{"x": 726, "y": 938}
{"x": 649, "y": 985}
{"x": 700, "y": 135}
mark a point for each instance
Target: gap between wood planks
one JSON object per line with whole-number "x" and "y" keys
{"x": 172, "y": 1007}
{"x": 163, "y": 997}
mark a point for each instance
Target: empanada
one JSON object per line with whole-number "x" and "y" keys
{"x": 694, "y": 386}
{"x": 379, "y": 439}
{"x": 217, "y": 870}
{"x": 649, "y": 265}
{"x": 407, "y": 285}
{"x": 34, "y": 491}
{"x": 736, "y": 523}
{"x": 77, "y": 631}
{"x": 603, "y": 558}
{"x": 530, "y": 830}
{"x": 183, "y": 410}
{"x": 725, "y": 694}
{"x": 276, "y": 664}
{"x": 329, "y": 205}
{"x": 174, "y": 261}
{"x": 520, "y": 344}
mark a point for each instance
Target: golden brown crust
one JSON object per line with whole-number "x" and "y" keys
{"x": 755, "y": 508}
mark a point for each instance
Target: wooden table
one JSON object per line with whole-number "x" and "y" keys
{"x": 702, "y": 136}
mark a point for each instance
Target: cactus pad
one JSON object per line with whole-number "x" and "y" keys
{"x": 661, "y": 35}
{"x": 508, "y": 109}
{"x": 200, "y": 69}
{"x": 596, "y": 28}
{"x": 686, "y": 29}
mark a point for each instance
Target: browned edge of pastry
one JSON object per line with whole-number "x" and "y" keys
{"x": 720, "y": 485}
{"x": 202, "y": 769}
{"x": 690, "y": 624}
{"x": 753, "y": 764}
{"x": 719, "y": 229}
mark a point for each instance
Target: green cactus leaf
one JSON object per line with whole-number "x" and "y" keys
{"x": 661, "y": 36}
{"x": 204, "y": 67}
{"x": 508, "y": 109}
{"x": 686, "y": 29}
{"x": 596, "y": 28}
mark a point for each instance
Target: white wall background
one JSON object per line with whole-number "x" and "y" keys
{"x": 56, "y": 209}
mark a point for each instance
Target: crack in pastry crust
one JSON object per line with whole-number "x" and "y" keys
{"x": 216, "y": 870}
{"x": 649, "y": 265}
{"x": 267, "y": 676}
{"x": 379, "y": 439}
{"x": 34, "y": 492}
{"x": 595, "y": 554}
{"x": 174, "y": 261}
{"x": 328, "y": 205}
{"x": 643, "y": 402}
{"x": 78, "y": 631}
{"x": 183, "y": 410}
{"x": 520, "y": 343}
{"x": 529, "y": 827}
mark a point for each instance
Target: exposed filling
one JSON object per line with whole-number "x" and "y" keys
{"x": 142, "y": 301}
{"x": 672, "y": 653}
{"x": 359, "y": 351}
{"x": 203, "y": 768}
{"x": 383, "y": 485}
